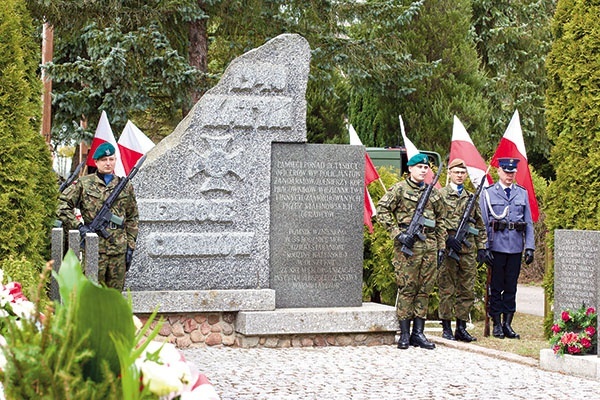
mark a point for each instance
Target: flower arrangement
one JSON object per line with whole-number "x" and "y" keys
{"x": 575, "y": 332}
{"x": 14, "y": 307}
{"x": 91, "y": 344}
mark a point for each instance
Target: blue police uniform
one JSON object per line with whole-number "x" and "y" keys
{"x": 507, "y": 217}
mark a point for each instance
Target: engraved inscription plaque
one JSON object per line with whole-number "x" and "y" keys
{"x": 576, "y": 265}
{"x": 317, "y": 194}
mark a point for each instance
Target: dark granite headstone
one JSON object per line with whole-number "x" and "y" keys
{"x": 317, "y": 195}
{"x": 576, "y": 269}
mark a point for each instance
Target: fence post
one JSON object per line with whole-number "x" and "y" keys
{"x": 91, "y": 257}
{"x": 57, "y": 255}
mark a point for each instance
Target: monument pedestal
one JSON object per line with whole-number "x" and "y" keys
{"x": 587, "y": 366}
{"x": 248, "y": 318}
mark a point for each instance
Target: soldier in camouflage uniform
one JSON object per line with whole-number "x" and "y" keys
{"x": 89, "y": 194}
{"x": 415, "y": 275}
{"x": 456, "y": 280}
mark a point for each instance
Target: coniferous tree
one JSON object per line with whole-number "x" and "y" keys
{"x": 438, "y": 35}
{"x": 127, "y": 58}
{"x": 513, "y": 38}
{"x": 28, "y": 186}
{"x": 572, "y": 114}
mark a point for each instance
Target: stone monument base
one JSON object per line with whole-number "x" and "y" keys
{"x": 248, "y": 318}
{"x": 587, "y": 366}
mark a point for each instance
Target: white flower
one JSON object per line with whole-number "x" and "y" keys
{"x": 182, "y": 370}
{"x": 160, "y": 379}
{"x": 5, "y": 298}
{"x": 24, "y": 309}
{"x": 168, "y": 352}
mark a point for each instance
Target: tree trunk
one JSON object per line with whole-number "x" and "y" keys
{"x": 198, "y": 53}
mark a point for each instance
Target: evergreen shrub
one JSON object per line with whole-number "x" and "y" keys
{"x": 28, "y": 189}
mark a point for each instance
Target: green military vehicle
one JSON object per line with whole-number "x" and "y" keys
{"x": 395, "y": 157}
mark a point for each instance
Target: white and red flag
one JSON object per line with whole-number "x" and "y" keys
{"x": 371, "y": 175}
{"x": 133, "y": 144}
{"x": 411, "y": 150}
{"x": 104, "y": 134}
{"x": 462, "y": 147}
{"x": 512, "y": 145}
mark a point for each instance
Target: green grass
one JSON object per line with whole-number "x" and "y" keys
{"x": 530, "y": 327}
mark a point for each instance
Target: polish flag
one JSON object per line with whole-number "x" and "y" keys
{"x": 104, "y": 134}
{"x": 462, "y": 147}
{"x": 370, "y": 176}
{"x": 133, "y": 144}
{"x": 512, "y": 145}
{"x": 411, "y": 150}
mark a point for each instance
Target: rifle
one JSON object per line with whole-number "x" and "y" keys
{"x": 71, "y": 177}
{"x": 463, "y": 227}
{"x": 488, "y": 281}
{"x": 418, "y": 221}
{"x": 104, "y": 216}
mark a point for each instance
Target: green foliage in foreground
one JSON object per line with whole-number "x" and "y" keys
{"x": 82, "y": 348}
{"x": 44, "y": 358}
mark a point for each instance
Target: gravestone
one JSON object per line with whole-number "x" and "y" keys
{"x": 209, "y": 220}
{"x": 576, "y": 269}
{"x": 317, "y": 197}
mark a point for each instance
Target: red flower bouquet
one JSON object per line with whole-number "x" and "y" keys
{"x": 575, "y": 332}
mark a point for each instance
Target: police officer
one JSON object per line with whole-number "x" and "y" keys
{"x": 415, "y": 275}
{"x": 456, "y": 279}
{"x": 507, "y": 216}
{"x": 88, "y": 194}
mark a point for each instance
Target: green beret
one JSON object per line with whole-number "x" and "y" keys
{"x": 105, "y": 149}
{"x": 418, "y": 159}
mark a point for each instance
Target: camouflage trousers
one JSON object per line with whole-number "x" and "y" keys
{"x": 111, "y": 270}
{"x": 415, "y": 277}
{"x": 456, "y": 282}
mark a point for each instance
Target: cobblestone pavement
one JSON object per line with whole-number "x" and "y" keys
{"x": 379, "y": 372}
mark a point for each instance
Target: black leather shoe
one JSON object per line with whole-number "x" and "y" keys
{"x": 461, "y": 333}
{"x": 507, "y": 329}
{"x": 447, "y": 330}
{"x": 417, "y": 338}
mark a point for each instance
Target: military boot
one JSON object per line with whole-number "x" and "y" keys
{"x": 417, "y": 338}
{"x": 447, "y": 330}
{"x": 507, "y": 329}
{"x": 461, "y": 332}
{"x": 404, "y": 339}
{"x": 498, "y": 332}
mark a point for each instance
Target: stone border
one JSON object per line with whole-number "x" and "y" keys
{"x": 587, "y": 366}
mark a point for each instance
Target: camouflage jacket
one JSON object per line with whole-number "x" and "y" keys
{"x": 455, "y": 207}
{"x": 397, "y": 207}
{"x": 88, "y": 194}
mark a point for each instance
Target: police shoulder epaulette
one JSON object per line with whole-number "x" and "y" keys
{"x": 522, "y": 187}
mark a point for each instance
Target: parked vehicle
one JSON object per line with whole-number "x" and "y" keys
{"x": 395, "y": 157}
